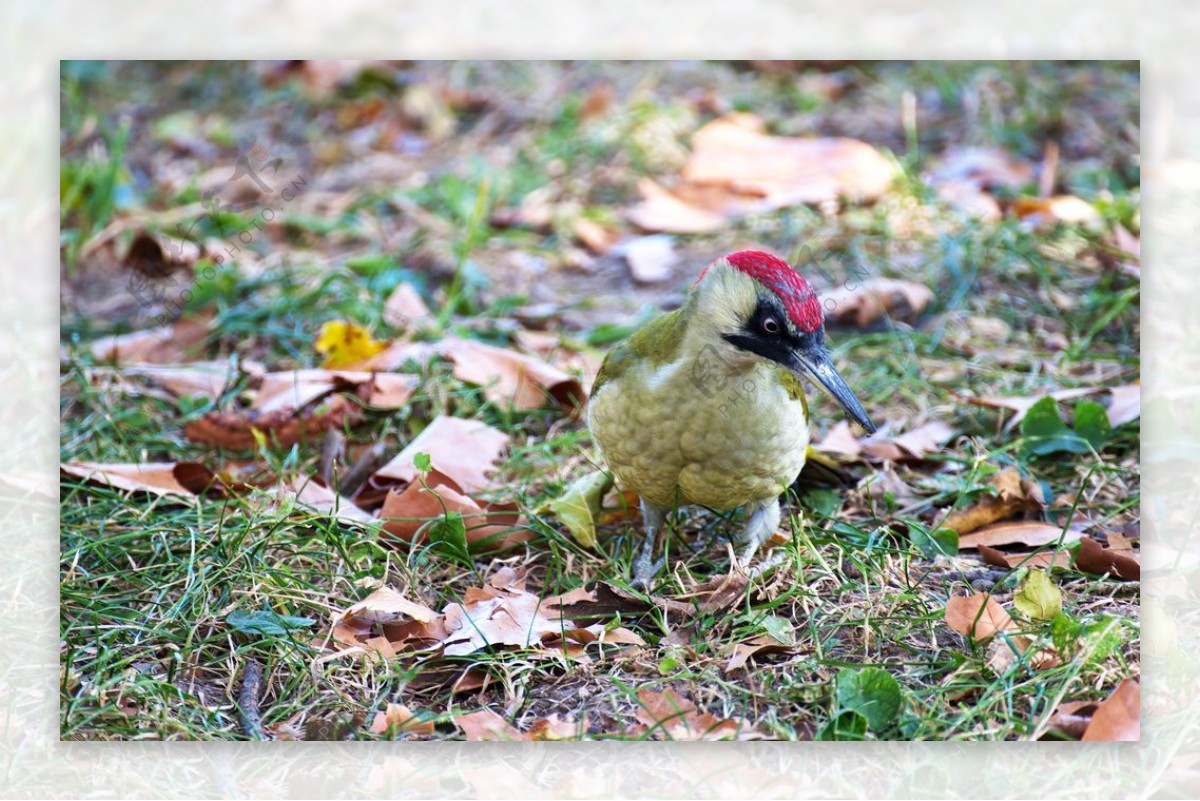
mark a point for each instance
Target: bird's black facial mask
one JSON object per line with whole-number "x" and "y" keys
{"x": 771, "y": 335}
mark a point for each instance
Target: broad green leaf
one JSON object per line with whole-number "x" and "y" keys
{"x": 939, "y": 542}
{"x": 579, "y": 506}
{"x": 1043, "y": 431}
{"x": 846, "y": 725}
{"x": 421, "y": 462}
{"x": 448, "y": 534}
{"x": 871, "y": 692}
{"x": 1038, "y": 598}
{"x": 266, "y": 623}
{"x": 1091, "y": 423}
{"x": 780, "y": 628}
{"x": 825, "y": 502}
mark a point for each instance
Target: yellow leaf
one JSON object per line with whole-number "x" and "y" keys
{"x": 579, "y": 507}
{"x": 345, "y": 344}
{"x": 1038, "y": 598}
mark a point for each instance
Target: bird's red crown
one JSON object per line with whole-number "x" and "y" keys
{"x": 777, "y": 275}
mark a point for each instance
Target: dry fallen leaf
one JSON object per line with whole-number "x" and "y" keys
{"x": 194, "y": 379}
{"x": 399, "y": 719}
{"x": 1040, "y": 559}
{"x": 882, "y": 446}
{"x": 667, "y": 716}
{"x": 978, "y": 616}
{"x": 1093, "y": 557}
{"x": 1126, "y": 404}
{"x": 1118, "y": 718}
{"x": 510, "y": 378}
{"x": 168, "y": 344}
{"x": 650, "y": 258}
{"x": 864, "y": 303}
{"x": 1021, "y": 405}
{"x": 1014, "y": 495}
{"x": 404, "y": 308}
{"x": 761, "y": 644}
{"x": 309, "y": 494}
{"x": 1060, "y": 208}
{"x": 465, "y": 451}
{"x": 294, "y": 389}
{"x": 484, "y": 724}
{"x": 1023, "y": 532}
{"x": 186, "y": 479}
{"x": 735, "y": 169}
{"x": 240, "y": 431}
{"x": 408, "y": 511}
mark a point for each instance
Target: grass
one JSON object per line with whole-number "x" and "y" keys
{"x": 149, "y": 647}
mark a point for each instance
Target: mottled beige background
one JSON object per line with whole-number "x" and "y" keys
{"x": 36, "y": 33}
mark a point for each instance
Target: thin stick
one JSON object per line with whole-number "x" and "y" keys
{"x": 362, "y": 469}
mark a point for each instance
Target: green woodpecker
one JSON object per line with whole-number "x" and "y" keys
{"x": 704, "y": 405}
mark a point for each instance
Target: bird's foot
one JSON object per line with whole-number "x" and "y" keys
{"x": 644, "y": 570}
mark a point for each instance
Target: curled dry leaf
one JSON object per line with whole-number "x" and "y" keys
{"x": 167, "y": 344}
{"x": 1060, "y": 208}
{"x": 881, "y": 446}
{"x": 406, "y": 512}
{"x": 659, "y": 210}
{"x": 237, "y": 430}
{"x": 603, "y": 600}
{"x": 465, "y": 451}
{"x": 1122, "y": 563}
{"x": 979, "y": 616}
{"x": 1014, "y": 495}
{"x": 399, "y": 719}
{"x": 484, "y": 724}
{"x": 597, "y": 238}
{"x": 865, "y": 303}
{"x": 667, "y": 716}
{"x": 509, "y": 378}
{"x": 185, "y": 479}
{"x": 147, "y": 255}
{"x": 761, "y": 644}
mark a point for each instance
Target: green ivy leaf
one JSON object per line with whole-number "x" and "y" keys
{"x": 422, "y": 462}
{"x": 1091, "y": 423}
{"x": 266, "y": 623}
{"x": 1038, "y": 598}
{"x": 871, "y": 692}
{"x": 1043, "y": 431}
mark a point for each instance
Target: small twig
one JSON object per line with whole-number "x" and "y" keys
{"x": 333, "y": 451}
{"x": 362, "y": 469}
{"x": 1049, "y": 173}
{"x": 252, "y": 676}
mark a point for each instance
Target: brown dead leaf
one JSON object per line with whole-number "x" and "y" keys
{"x": 407, "y": 512}
{"x": 660, "y": 210}
{"x": 1060, "y": 208}
{"x": 987, "y": 168}
{"x": 399, "y": 719}
{"x": 194, "y": 379}
{"x": 978, "y": 616}
{"x": 386, "y": 607}
{"x": 925, "y": 439}
{"x": 286, "y": 427}
{"x": 556, "y": 728}
{"x": 841, "y": 439}
{"x": 147, "y": 256}
{"x": 185, "y": 479}
{"x": 882, "y": 446}
{"x": 1072, "y": 718}
{"x": 1119, "y": 717}
{"x": 1013, "y": 495}
{"x": 735, "y": 168}
{"x": 168, "y": 344}
{"x": 597, "y": 238}
{"x": 404, "y": 308}
{"x": 865, "y": 303}
{"x": 465, "y": 451}
{"x": 1022, "y": 532}
{"x": 309, "y": 494}
{"x": 511, "y": 616}
{"x": 603, "y": 600}
{"x": 1093, "y": 557}
{"x": 735, "y": 153}
{"x": 667, "y": 716}
{"x": 650, "y": 258}
{"x": 762, "y": 644}
{"x": 1003, "y": 653}
{"x": 295, "y": 389}
{"x": 510, "y": 378}
{"x": 484, "y": 724}
{"x": 1040, "y": 559}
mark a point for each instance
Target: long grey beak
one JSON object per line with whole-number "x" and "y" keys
{"x": 821, "y": 369}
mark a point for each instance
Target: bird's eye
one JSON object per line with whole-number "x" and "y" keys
{"x": 771, "y": 325}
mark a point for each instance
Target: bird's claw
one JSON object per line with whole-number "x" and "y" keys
{"x": 644, "y": 570}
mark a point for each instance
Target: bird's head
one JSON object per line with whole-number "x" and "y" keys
{"x": 763, "y": 308}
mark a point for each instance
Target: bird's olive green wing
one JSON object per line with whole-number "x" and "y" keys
{"x": 655, "y": 343}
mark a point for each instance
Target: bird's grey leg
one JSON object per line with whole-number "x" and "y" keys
{"x": 644, "y": 566}
{"x": 762, "y": 521}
